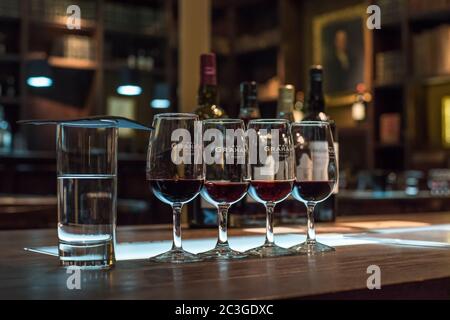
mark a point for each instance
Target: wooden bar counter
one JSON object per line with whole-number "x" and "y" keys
{"x": 406, "y": 271}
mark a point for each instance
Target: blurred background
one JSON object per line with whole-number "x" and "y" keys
{"x": 388, "y": 90}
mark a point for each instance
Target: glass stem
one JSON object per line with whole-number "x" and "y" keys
{"x": 311, "y": 234}
{"x": 176, "y": 207}
{"x": 222, "y": 217}
{"x": 270, "y": 206}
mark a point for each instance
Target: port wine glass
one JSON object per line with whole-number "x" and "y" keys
{"x": 175, "y": 171}
{"x": 226, "y": 179}
{"x": 271, "y": 163}
{"x": 316, "y": 175}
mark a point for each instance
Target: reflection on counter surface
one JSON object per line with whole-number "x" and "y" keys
{"x": 423, "y": 236}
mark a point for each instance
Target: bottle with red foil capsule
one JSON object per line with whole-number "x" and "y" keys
{"x": 202, "y": 214}
{"x": 249, "y": 102}
{"x": 208, "y": 93}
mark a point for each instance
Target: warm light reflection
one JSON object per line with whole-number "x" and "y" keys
{"x": 358, "y": 111}
{"x": 446, "y": 121}
{"x": 423, "y": 229}
{"x": 385, "y": 224}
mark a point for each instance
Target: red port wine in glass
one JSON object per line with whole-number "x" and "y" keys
{"x": 176, "y": 190}
{"x": 272, "y": 174}
{"x": 175, "y": 180}
{"x": 312, "y": 190}
{"x": 226, "y": 178}
{"x": 316, "y": 175}
{"x": 224, "y": 191}
{"x": 270, "y": 191}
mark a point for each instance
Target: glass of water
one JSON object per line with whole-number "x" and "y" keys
{"x": 87, "y": 184}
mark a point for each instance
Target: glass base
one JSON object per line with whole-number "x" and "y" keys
{"x": 311, "y": 248}
{"x": 269, "y": 250}
{"x": 222, "y": 252}
{"x": 176, "y": 256}
{"x": 87, "y": 256}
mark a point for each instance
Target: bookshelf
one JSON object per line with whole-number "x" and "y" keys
{"x": 404, "y": 90}
{"x": 428, "y": 82}
{"x": 285, "y": 55}
{"x": 247, "y": 37}
{"x": 111, "y": 31}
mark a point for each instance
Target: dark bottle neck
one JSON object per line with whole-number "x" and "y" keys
{"x": 248, "y": 102}
{"x": 249, "y": 95}
{"x": 316, "y": 101}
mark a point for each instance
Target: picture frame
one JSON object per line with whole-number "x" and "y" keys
{"x": 343, "y": 45}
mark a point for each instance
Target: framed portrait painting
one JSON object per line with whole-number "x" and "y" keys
{"x": 342, "y": 44}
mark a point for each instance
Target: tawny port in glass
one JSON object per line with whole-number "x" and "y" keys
{"x": 226, "y": 179}
{"x": 175, "y": 171}
{"x": 316, "y": 175}
{"x": 271, "y": 165}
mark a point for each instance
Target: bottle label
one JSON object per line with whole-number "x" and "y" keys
{"x": 209, "y": 71}
{"x": 336, "y": 154}
{"x": 209, "y": 77}
{"x": 320, "y": 158}
{"x": 314, "y": 165}
{"x": 285, "y": 107}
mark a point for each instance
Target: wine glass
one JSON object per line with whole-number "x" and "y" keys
{"x": 316, "y": 175}
{"x": 175, "y": 171}
{"x": 226, "y": 180}
{"x": 271, "y": 162}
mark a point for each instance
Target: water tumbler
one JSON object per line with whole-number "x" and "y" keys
{"x": 87, "y": 186}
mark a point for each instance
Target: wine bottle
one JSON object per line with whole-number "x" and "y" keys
{"x": 247, "y": 213}
{"x": 291, "y": 211}
{"x": 315, "y": 111}
{"x": 201, "y": 214}
{"x": 249, "y": 108}
{"x": 208, "y": 93}
{"x": 285, "y": 107}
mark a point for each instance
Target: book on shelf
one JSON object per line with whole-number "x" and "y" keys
{"x": 9, "y": 8}
{"x": 431, "y": 52}
{"x": 389, "y": 67}
{"x": 121, "y": 17}
{"x": 391, "y": 10}
{"x": 261, "y": 41}
{"x": 55, "y": 11}
{"x": 75, "y": 47}
{"x": 390, "y": 124}
{"x": 418, "y": 7}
